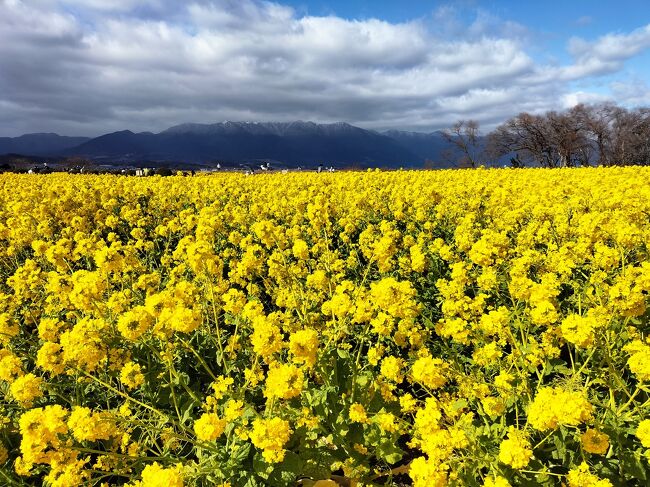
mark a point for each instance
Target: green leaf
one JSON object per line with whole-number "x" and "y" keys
{"x": 389, "y": 452}
{"x": 632, "y": 465}
{"x": 316, "y": 398}
{"x": 560, "y": 448}
{"x": 317, "y": 463}
{"x": 372, "y": 436}
{"x": 240, "y": 455}
{"x": 287, "y": 472}
{"x": 187, "y": 409}
{"x": 260, "y": 467}
{"x": 251, "y": 481}
{"x": 459, "y": 404}
{"x": 363, "y": 380}
{"x": 344, "y": 354}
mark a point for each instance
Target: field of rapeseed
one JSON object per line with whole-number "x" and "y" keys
{"x": 479, "y": 328}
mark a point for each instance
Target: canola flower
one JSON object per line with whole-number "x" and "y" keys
{"x": 270, "y": 435}
{"x": 155, "y": 475}
{"x": 209, "y": 427}
{"x": 594, "y": 441}
{"x": 553, "y": 407}
{"x": 581, "y": 477}
{"x": 516, "y": 450}
{"x": 478, "y": 328}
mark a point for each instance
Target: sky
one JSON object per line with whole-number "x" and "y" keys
{"x": 88, "y": 67}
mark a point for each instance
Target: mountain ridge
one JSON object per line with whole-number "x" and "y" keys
{"x": 39, "y": 143}
{"x": 291, "y": 143}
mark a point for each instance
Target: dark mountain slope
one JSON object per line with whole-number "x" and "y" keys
{"x": 38, "y": 144}
{"x": 292, "y": 143}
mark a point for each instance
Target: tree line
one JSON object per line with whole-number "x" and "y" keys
{"x": 585, "y": 135}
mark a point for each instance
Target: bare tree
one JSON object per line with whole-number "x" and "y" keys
{"x": 584, "y": 135}
{"x": 630, "y": 134}
{"x": 597, "y": 123}
{"x": 464, "y": 136}
{"x": 570, "y": 138}
{"x": 525, "y": 139}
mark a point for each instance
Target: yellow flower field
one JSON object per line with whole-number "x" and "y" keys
{"x": 483, "y": 327}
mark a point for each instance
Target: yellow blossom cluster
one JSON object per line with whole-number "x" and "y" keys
{"x": 427, "y": 328}
{"x": 553, "y": 407}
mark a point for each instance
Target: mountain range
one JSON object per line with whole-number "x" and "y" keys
{"x": 234, "y": 143}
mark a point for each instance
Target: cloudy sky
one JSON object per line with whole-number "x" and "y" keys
{"x": 87, "y": 67}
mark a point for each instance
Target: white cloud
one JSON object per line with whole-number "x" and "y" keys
{"x": 571, "y": 99}
{"x": 86, "y": 67}
{"x": 612, "y": 46}
{"x": 607, "y": 54}
{"x": 632, "y": 93}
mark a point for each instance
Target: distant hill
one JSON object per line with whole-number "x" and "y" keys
{"x": 290, "y": 144}
{"x": 427, "y": 146}
{"x": 122, "y": 145}
{"x": 38, "y": 144}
